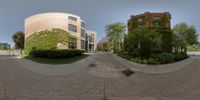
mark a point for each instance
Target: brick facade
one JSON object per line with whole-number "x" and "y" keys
{"x": 150, "y": 20}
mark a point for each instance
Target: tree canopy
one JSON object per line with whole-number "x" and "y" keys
{"x": 184, "y": 36}
{"x": 115, "y": 35}
{"x": 143, "y": 40}
{"x": 18, "y": 39}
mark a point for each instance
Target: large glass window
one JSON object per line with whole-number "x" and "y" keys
{"x": 82, "y": 33}
{"x": 72, "y": 45}
{"x": 82, "y": 44}
{"x": 90, "y": 39}
{"x": 72, "y": 28}
{"x": 72, "y": 18}
{"x": 82, "y": 24}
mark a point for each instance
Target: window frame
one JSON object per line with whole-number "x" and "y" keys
{"x": 72, "y": 28}
{"x": 82, "y": 24}
{"x": 72, "y": 18}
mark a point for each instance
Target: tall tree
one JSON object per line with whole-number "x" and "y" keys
{"x": 143, "y": 39}
{"x": 115, "y": 35}
{"x": 184, "y": 36}
{"x": 192, "y": 36}
{"x": 18, "y": 38}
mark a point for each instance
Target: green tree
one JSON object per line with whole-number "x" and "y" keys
{"x": 166, "y": 40}
{"x": 4, "y": 48}
{"x": 143, "y": 40}
{"x": 115, "y": 35}
{"x": 102, "y": 45}
{"x": 183, "y": 36}
{"x": 18, "y": 39}
{"x": 192, "y": 36}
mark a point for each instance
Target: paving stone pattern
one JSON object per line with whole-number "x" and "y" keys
{"x": 92, "y": 83}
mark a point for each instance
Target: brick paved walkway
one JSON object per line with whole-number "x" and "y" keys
{"x": 91, "y": 83}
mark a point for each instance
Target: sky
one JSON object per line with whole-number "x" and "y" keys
{"x": 96, "y": 13}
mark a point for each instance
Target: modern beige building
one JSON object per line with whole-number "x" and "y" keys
{"x": 91, "y": 44}
{"x": 68, "y": 22}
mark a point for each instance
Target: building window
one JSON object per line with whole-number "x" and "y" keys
{"x": 157, "y": 25}
{"x": 91, "y": 39}
{"x": 72, "y": 18}
{"x": 156, "y": 18}
{"x": 82, "y": 33}
{"x": 139, "y": 26}
{"x": 82, "y": 24}
{"x": 139, "y": 19}
{"x": 72, "y": 28}
{"x": 82, "y": 44}
{"x": 72, "y": 45}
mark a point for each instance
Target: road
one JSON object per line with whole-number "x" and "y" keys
{"x": 93, "y": 83}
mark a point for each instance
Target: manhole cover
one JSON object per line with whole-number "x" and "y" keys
{"x": 128, "y": 72}
{"x": 92, "y": 65}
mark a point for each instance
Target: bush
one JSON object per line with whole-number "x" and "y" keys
{"x": 180, "y": 56}
{"x": 137, "y": 60}
{"x": 163, "y": 58}
{"x": 154, "y": 56}
{"x": 153, "y": 61}
{"x": 124, "y": 55}
{"x": 134, "y": 54}
{"x": 56, "y": 53}
{"x": 167, "y": 58}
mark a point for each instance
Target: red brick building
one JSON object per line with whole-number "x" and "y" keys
{"x": 161, "y": 22}
{"x": 150, "y": 20}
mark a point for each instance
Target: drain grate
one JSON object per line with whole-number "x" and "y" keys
{"x": 128, "y": 72}
{"x": 92, "y": 65}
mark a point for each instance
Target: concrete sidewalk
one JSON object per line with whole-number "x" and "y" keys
{"x": 79, "y": 65}
{"x": 9, "y": 52}
{"x": 60, "y": 69}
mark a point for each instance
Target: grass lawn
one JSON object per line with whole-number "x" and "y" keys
{"x": 56, "y": 61}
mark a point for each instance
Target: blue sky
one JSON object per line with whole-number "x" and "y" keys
{"x": 96, "y": 13}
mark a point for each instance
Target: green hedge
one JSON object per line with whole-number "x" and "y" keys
{"x": 56, "y": 53}
{"x": 163, "y": 58}
{"x": 180, "y": 56}
{"x": 167, "y": 58}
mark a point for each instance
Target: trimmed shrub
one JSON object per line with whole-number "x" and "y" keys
{"x": 180, "y": 56}
{"x": 56, "y": 53}
{"x": 135, "y": 59}
{"x": 167, "y": 58}
{"x": 124, "y": 55}
{"x": 163, "y": 58}
{"x": 145, "y": 61}
{"x": 134, "y": 54}
{"x": 154, "y": 56}
{"x": 153, "y": 61}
